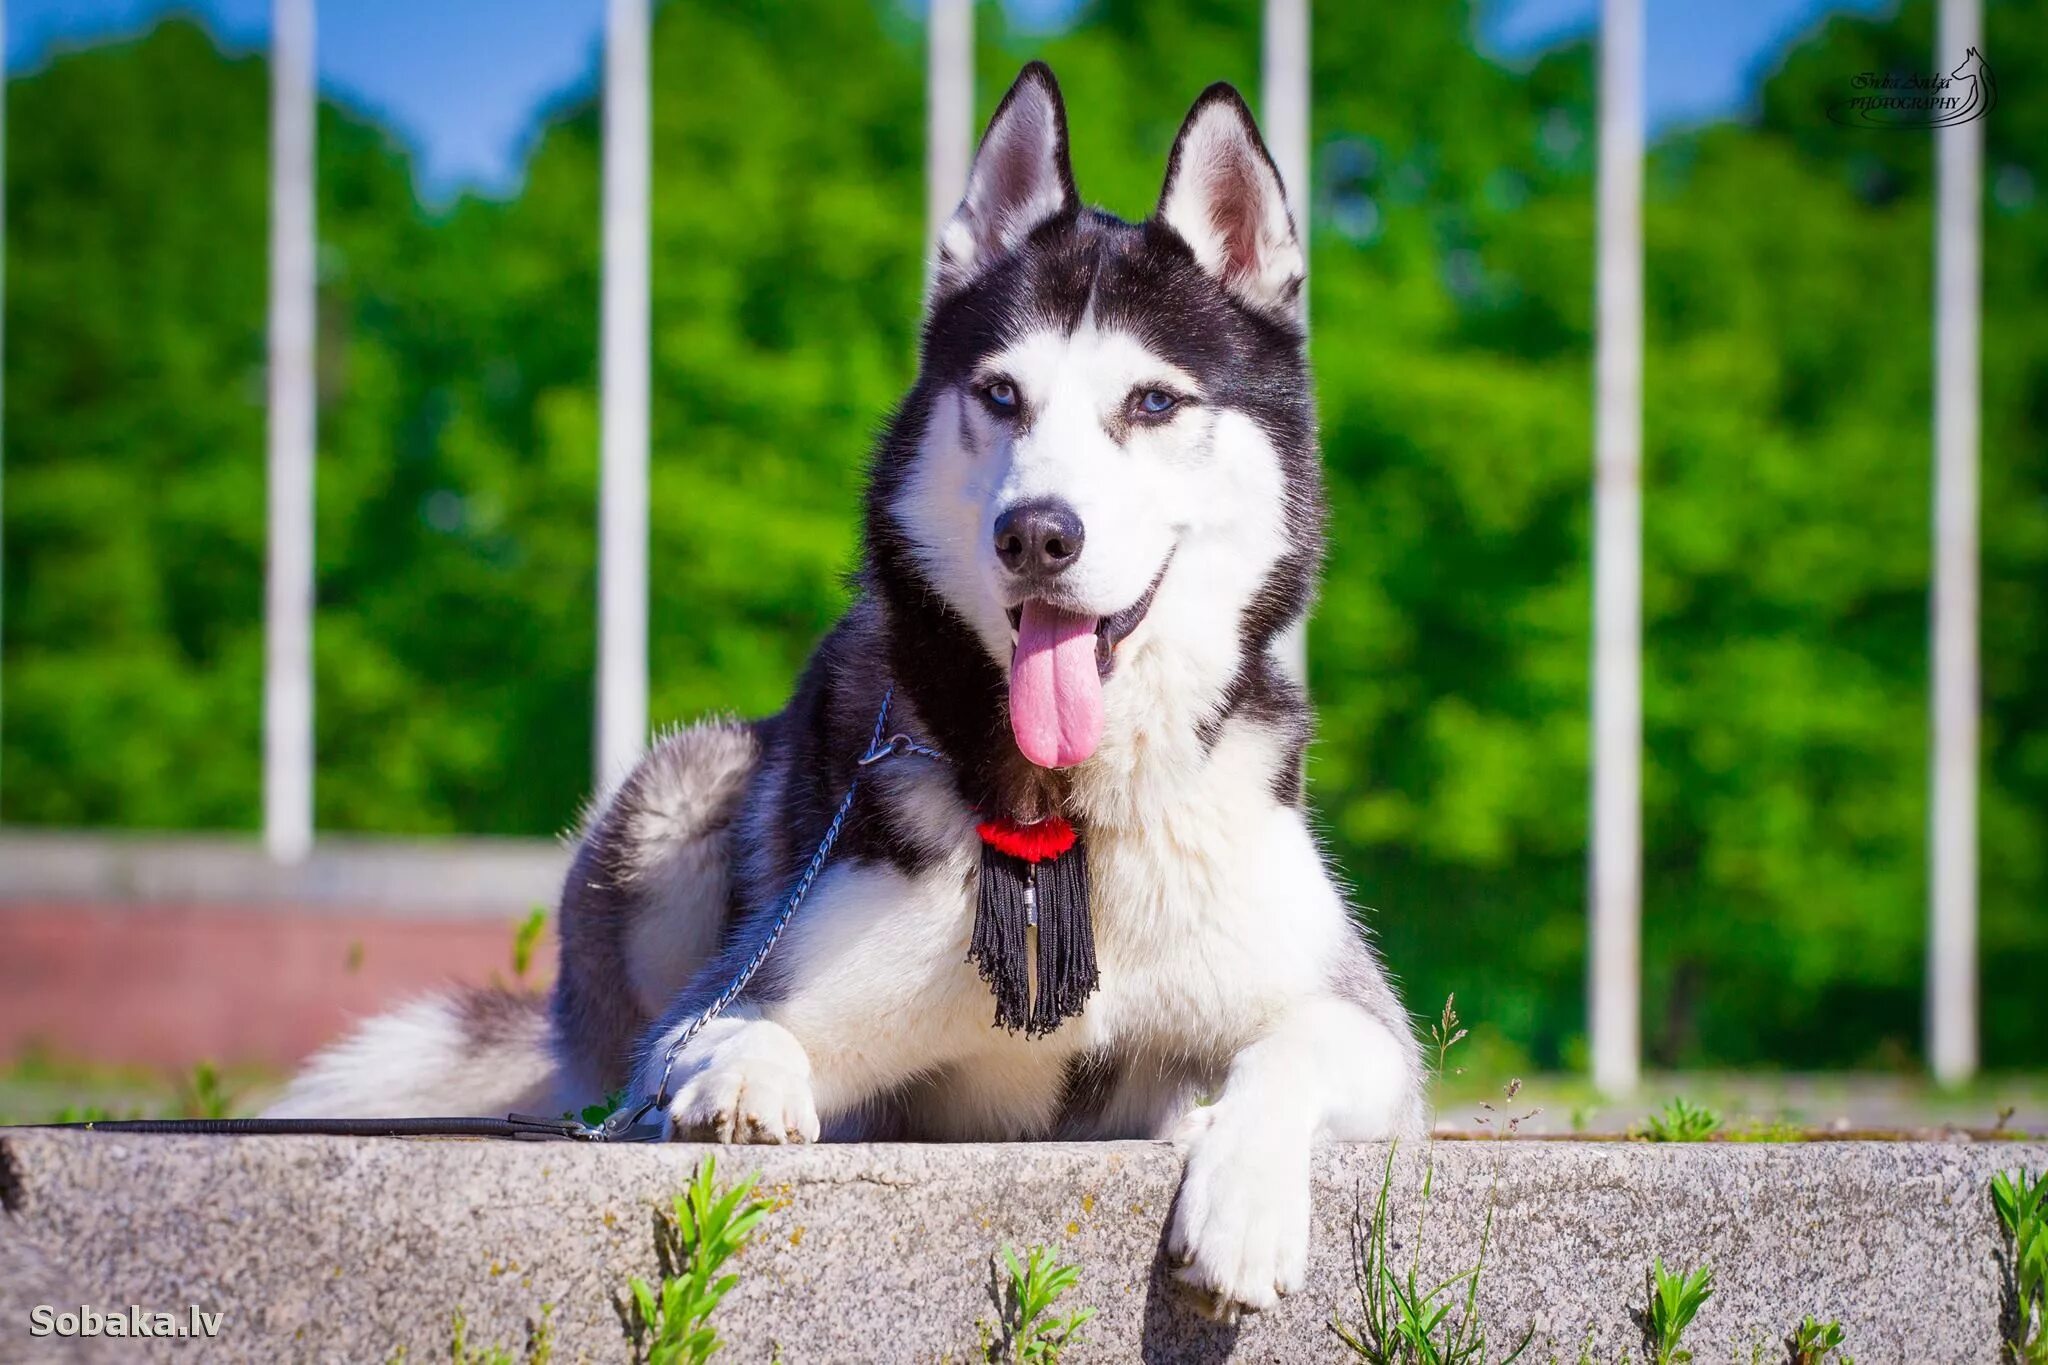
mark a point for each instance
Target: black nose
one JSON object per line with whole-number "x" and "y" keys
{"x": 1039, "y": 538}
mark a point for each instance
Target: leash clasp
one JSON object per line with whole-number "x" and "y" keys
{"x": 897, "y": 746}
{"x": 536, "y": 1126}
{"x": 624, "y": 1124}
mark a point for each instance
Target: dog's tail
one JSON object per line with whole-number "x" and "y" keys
{"x": 475, "y": 1053}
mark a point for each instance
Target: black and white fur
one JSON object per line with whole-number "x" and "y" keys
{"x": 1241, "y": 1012}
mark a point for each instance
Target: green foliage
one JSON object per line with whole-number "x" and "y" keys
{"x": 458, "y": 423}
{"x": 2022, "y": 1204}
{"x": 201, "y": 1095}
{"x": 1787, "y": 397}
{"x": 671, "y": 1322}
{"x": 525, "y": 938}
{"x": 1681, "y": 1121}
{"x": 1676, "y": 1297}
{"x": 591, "y": 1115}
{"x": 1813, "y": 1342}
{"x": 1031, "y": 1333}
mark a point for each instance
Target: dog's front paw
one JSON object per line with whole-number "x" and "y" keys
{"x": 1239, "y": 1238}
{"x": 753, "y": 1084}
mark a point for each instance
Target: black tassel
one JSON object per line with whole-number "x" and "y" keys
{"x": 1014, "y": 895}
{"x": 1066, "y": 941}
{"x": 1001, "y": 915}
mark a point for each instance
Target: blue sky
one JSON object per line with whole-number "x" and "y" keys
{"x": 464, "y": 80}
{"x": 461, "y": 80}
{"x": 1701, "y": 58}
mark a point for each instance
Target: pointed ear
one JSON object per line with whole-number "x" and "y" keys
{"x": 1020, "y": 178}
{"x": 1223, "y": 196}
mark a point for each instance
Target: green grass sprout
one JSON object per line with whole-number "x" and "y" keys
{"x": 1402, "y": 1320}
{"x": 1032, "y": 1333}
{"x": 671, "y": 1322}
{"x": 1675, "y": 1298}
{"x": 1813, "y": 1342}
{"x": 2022, "y": 1203}
{"x": 1681, "y": 1121}
{"x": 201, "y": 1095}
{"x": 525, "y": 939}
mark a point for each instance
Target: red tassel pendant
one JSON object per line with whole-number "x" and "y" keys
{"x": 1034, "y": 877}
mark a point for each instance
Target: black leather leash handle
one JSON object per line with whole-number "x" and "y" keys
{"x": 515, "y": 1126}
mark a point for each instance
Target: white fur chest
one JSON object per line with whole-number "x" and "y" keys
{"x": 1211, "y": 905}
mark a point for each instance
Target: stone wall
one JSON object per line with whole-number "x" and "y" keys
{"x": 348, "y": 1250}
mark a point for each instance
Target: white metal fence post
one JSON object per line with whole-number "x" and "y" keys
{"x": 1283, "y": 110}
{"x": 1283, "y": 102}
{"x": 624, "y": 362}
{"x": 1616, "y": 956}
{"x": 948, "y": 113}
{"x": 1952, "y": 909}
{"x": 288, "y": 627}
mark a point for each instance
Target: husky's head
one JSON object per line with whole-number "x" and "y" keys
{"x": 1109, "y": 453}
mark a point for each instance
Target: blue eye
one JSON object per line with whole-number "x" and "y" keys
{"x": 1002, "y": 395}
{"x": 1157, "y": 402}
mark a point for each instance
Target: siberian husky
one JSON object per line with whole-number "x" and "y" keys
{"x": 1089, "y": 529}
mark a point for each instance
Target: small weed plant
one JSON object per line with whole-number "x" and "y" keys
{"x": 1402, "y": 1320}
{"x": 1033, "y": 1333}
{"x": 525, "y": 939}
{"x": 671, "y": 1321}
{"x": 594, "y": 1114}
{"x": 1681, "y": 1121}
{"x": 1818, "y": 1343}
{"x": 540, "y": 1345}
{"x": 201, "y": 1095}
{"x": 1676, "y": 1297}
{"x": 2022, "y": 1204}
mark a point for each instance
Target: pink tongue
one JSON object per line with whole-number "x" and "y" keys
{"x": 1055, "y": 692}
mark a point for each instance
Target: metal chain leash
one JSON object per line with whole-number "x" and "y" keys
{"x": 625, "y": 1123}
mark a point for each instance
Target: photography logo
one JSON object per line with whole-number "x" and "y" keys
{"x": 1912, "y": 100}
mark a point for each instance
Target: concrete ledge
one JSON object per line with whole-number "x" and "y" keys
{"x": 328, "y": 1249}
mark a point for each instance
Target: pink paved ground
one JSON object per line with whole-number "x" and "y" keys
{"x": 163, "y": 985}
